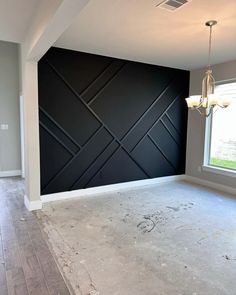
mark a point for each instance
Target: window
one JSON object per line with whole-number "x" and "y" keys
{"x": 222, "y": 144}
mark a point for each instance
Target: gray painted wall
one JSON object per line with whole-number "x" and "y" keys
{"x": 10, "y": 158}
{"x": 196, "y": 127}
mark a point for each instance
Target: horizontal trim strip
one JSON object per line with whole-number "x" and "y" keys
{"x": 100, "y": 190}
{"x": 10, "y": 173}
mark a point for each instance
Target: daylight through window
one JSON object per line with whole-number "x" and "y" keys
{"x": 223, "y": 130}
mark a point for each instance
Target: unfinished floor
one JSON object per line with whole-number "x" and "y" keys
{"x": 168, "y": 239}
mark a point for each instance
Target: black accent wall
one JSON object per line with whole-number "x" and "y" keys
{"x": 105, "y": 120}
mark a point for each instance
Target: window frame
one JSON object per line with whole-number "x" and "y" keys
{"x": 207, "y": 144}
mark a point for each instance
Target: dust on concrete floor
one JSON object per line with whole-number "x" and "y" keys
{"x": 168, "y": 239}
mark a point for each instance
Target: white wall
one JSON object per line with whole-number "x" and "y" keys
{"x": 10, "y": 158}
{"x": 51, "y": 20}
{"x": 196, "y": 127}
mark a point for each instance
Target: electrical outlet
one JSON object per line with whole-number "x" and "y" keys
{"x": 4, "y": 126}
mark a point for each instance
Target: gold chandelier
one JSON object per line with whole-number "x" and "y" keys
{"x": 207, "y": 101}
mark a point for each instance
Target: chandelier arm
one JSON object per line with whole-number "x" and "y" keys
{"x": 215, "y": 110}
{"x": 223, "y": 107}
{"x": 200, "y": 103}
{"x": 199, "y": 110}
{"x": 208, "y": 89}
{"x": 210, "y": 109}
{"x": 213, "y": 83}
{"x": 199, "y": 106}
{"x": 204, "y": 111}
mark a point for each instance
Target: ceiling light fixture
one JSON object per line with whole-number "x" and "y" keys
{"x": 206, "y": 102}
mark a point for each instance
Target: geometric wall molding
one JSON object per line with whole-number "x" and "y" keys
{"x": 105, "y": 120}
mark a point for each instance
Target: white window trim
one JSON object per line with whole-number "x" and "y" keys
{"x": 219, "y": 170}
{"x": 207, "y": 141}
{"x": 207, "y": 145}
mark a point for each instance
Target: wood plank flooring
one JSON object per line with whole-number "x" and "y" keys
{"x": 27, "y": 266}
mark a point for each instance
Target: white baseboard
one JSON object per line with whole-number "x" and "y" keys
{"x": 213, "y": 185}
{"x": 32, "y": 205}
{"x": 10, "y": 173}
{"x": 100, "y": 190}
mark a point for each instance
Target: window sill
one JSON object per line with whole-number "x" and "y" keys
{"x": 218, "y": 170}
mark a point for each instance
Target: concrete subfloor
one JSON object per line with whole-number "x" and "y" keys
{"x": 170, "y": 239}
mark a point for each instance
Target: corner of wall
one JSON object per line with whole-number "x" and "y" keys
{"x": 32, "y": 205}
{"x": 196, "y": 128}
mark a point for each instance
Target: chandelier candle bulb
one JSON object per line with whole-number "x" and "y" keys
{"x": 193, "y": 101}
{"x": 204, "y": 102}
{"x": 213, "y": 100}
{"x": 189, "y": 102}
{"x": 225, "y": 102}
{"x": 196, "y": 100}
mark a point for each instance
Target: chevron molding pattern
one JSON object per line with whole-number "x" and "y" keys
{"x": 106, "y": 121}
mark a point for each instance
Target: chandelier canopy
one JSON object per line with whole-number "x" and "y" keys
{"x": 207, "y": 101}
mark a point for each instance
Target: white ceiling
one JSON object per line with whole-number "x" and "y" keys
{"x": 15, "y": 18}
{"x": 137, "y": 30}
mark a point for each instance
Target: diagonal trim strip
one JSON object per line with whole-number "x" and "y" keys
{"x": 94, "y": 81}
{"x": 148, "y": 109}
{"x": 106, "y": 84}
{"x": 98, "y": 118}
{"x": 103, "y": 165}
{"x": 163, "y": 154}
{"x": 158, "y": 119}
{"x": 168, "y": 116}
{"x": 168, "y": 130}
{"x": 69, "y": 162}
{"x": 61, "y": 129}
{"x": 56, "y": 138}
{"x": 94, "y": 163}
